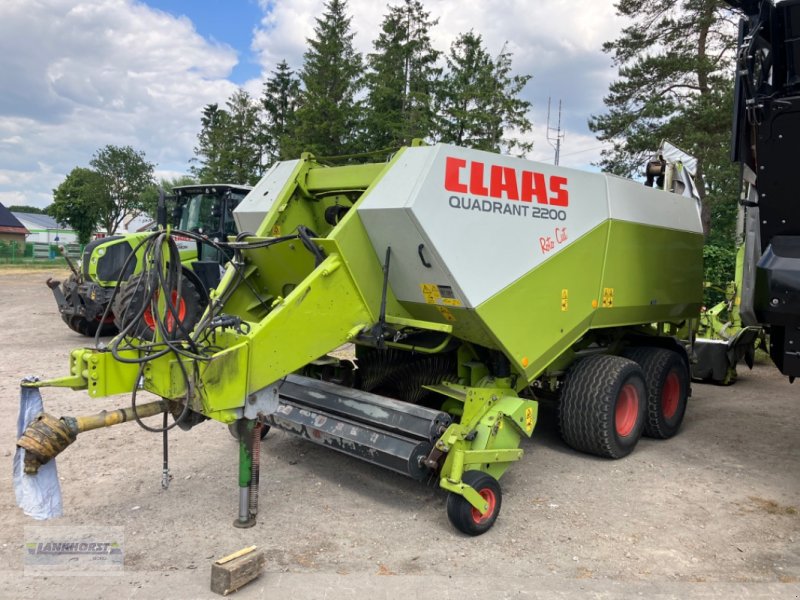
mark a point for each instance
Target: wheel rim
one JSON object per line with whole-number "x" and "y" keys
{"x": 491, "y": 500}
{"x": 151, "y": 322}
{"x": 627, "y": 410}
{"x": 671, "y": 395}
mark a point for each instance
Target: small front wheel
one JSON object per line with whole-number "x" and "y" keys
{"x": 464, "y": 516}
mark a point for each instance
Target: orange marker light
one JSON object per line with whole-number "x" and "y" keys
{"x": 524, "y": 361}
{"x": 594, "y": 303}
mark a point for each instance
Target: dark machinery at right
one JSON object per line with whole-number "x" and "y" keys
{"x": 766, "y": 143}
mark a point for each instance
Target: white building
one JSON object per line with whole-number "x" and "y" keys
{"x": 45, "y": 229}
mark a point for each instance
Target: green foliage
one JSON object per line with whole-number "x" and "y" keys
{"x": 479, "y": 99}
{"x": 230, "y": 142}
{"x": 675, "y": 83}
{"x": 328, "y": 117}
{"x": 126, "y": 174}
{"x": 80, "y": 201}
{"x": 719, "y": 264}
{"x": 402, "y": 80}
{"x": 280, "y": 100}
{"x": 23, "y": 208}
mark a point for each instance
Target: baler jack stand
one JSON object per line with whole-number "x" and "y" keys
{"x": 249, "y": 431}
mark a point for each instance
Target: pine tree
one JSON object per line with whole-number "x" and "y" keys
{"x": 280, "y": 101}
{"x": 242, "y": 159}
{"x": 210, "y": 142}
{"x": 402, "y": 80}
{"x": 479, "y": 99}
{"x": 328, "y": 117}
{"x": 229, "y": 143}
{"x": 675, "y": 73}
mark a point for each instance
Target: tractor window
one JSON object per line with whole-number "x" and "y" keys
{"x": 197, "y": 214}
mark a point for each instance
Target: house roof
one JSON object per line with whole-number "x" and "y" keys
{"x": 37, "y": 221}
{"x": 9, "y": 223}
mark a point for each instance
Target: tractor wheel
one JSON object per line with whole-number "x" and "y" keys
{"x": 83, "y": 325}
{"x": 461, "y": 513}
{"x": 667, "y": 379}
{"x": 130, "y": 297}
{"x": 603, "y": 405}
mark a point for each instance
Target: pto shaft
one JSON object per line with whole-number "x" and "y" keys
{"x": 46, "y": 437}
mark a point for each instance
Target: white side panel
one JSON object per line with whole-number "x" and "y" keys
{"x": 484, "y": 241}
{"x": 631, "y": 201}
{"x": 254, "y": 207}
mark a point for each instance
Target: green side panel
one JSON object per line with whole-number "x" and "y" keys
{"x": 656, "y": 275}
{"x": 467, "y": 324}
{"x": 322, "y": 313}
{"x": 540, "y": 315}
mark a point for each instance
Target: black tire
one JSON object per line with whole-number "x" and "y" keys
{"x": 667, "y": 379}
{"x": 602, "y": 406}
{"x": 467, "y": 519}
{"x": 130, "y": 297}
{"x": 235, "y": 432}
{"x": 80, "y": 324}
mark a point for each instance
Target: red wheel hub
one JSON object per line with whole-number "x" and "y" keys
{"x": 491, "y": 501}
{"x": 627, "y": 410}
{"x": 671, "y": 395}
{"x": 150, "y": 320}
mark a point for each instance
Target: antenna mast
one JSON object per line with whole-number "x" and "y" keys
{"x": 555, "y": 141}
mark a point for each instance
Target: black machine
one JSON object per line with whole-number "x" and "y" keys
{"x": 766, "y": 142}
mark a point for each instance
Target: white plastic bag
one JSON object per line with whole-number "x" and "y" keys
{"x": 39, "y": 496}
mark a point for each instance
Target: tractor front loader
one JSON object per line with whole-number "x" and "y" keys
{"x": 471, "y": 285}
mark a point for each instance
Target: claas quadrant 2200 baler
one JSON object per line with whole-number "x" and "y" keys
{"x": 469, "y": 285}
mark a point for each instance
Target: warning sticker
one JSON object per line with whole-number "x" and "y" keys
{"x": 439, "y": 294}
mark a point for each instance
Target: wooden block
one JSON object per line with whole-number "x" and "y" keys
{"x": 232, "y": 572}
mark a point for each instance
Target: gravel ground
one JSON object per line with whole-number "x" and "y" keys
{"x": 714, "y": 512}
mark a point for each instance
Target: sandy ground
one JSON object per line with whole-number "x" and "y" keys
{"x": 714, "y": 512}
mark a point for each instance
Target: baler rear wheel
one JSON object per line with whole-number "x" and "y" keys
{"x": 603, "y": 405}
{"x": 667, "y": 378}
{"x": 464, "y": 516}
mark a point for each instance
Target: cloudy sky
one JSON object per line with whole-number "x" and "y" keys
{"x": 79, "y": 74}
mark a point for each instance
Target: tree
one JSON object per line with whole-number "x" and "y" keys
{"x": 479, "y": 101}
{"x": 328, "y": 117}
{"x": 80, "y": 201}
{"x": 402, "y": 80}
{"x": 210, "y": 144}
{"x": 675, "y": 83}
{"x": 229, "y": 143}
{"x": 24, "y": 208}
{"x": 280, "y": 101}
{"x": 126, "y": 174}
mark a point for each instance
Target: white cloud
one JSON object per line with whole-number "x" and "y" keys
{"x": 558, "y": 42}
{"x": 78, "y": 75}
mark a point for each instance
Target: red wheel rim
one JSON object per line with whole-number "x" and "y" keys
{"x": 491, "y": 500}
{"x": 151, "y": 322}
{"x": 671, "y": 395}
{"x": 627, "y": 410}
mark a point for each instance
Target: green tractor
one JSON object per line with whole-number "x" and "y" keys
{"x": 88, "y": 299}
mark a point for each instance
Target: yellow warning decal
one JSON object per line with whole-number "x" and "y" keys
{"x": 564, "y": 300}
{"x": 451, "y": 302}
{"x": 608, "y": 297}
{"x": 430, "y": 291}
{"x": 529, "y": 419}
{"x": 446, "y": 313}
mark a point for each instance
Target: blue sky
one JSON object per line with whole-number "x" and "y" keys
{"x": 231, "y": 22}
{"x": 80, "y": 74}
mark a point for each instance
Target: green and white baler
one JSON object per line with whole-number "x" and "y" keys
{"x": 471, "y": 285}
